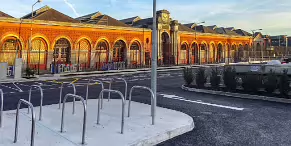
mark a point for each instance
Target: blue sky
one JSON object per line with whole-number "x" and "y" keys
{"x": 273, "y": 16}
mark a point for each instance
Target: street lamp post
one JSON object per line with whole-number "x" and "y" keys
{"x": 154, "y": 53}
{"x": 196, "y": 38}
{"x": 30, "y": 40}
{"x": 253, "y": 31}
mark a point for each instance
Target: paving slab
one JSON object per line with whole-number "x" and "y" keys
{"x": 137, "y": 128}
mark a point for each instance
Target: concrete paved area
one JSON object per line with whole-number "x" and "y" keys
{"x": 137, "y": 129}
{"x": 219, "y": 120}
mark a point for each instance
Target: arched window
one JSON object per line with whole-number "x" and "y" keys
{"x": 82, "y": 53}
{"x": 135, "y": 53}
{"x": 195, "y": 56}
{"x": 183, "y": 53}
{"x": 203, "y": 53}
{"x": 11, "y": 47}
{"x": 38, "y": 53}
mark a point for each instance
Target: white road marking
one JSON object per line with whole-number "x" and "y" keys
{"x": 20, "y": 90}
{"x": 9, "y": 87}
{"x": 200, "y": 102}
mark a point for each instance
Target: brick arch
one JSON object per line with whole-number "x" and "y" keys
{"x": 105, "y": 39}
{"x": 120, "y": 39}
{"x": 135, "y": 40}
{"x": 84, "y": 38}
{"x": 60, "y": 37}
{"x": 42, "y": 36}
{"x": 10, "y": 34}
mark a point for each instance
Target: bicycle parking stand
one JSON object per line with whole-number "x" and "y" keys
{"x": 87, "y": 92}
{"x": 153, "y": 101}
{"x": 32, "y": 121}
{"x": 84, "y": 117}
{"x": 41, "y": 99}
{"x": 110, "y": 86}
{"x": 123, "y": 106}
{"x": 1, "y": 107}
{"x": 61, "y": 94}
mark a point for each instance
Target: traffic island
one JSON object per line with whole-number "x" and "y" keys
{"x": 138, "y": 128}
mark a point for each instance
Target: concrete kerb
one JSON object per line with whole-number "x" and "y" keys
{"x": 237, "y": 95}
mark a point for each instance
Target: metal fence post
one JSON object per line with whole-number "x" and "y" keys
{"x": 61, "y": 94}
{"x": 32, "y": 121}
{"x": 74, "y": 99}
{"x": 153, "y": 105}
{"x": 1, "y": 107}
{"x": 123, "y": 106}
{"x": 84, "y": 117}
{"x": 41, "y": 99}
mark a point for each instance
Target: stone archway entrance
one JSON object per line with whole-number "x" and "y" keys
{"x": 62, "y": 51}
{"x": 219, "y": 53}
{"x": 166, "y": 49}
{"x": 195, "y": 56}
{"x": 119, "y": 51}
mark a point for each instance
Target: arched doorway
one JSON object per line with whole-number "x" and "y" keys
{"x": 135, "y": 54}
{"x": 167, "y": 52}
{"x": 212, "y": 54}
{"x": 119, "y": 51}
{"x": 101, "y": 54}
{"x": 219, "y": 57}
{"x": 38, "y": 54}
{"x": 82, "y": 53}
{"x": 10, "y": 49}
{"x": 62, "y": 51}
{"x": 203, "y": 53}
{"x": 184, "y": 54}
{"x": 195, "y": 56}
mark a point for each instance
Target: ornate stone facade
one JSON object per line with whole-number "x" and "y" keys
{"x": 98, "y": 38}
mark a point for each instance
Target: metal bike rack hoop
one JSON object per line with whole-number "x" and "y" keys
{"x": 61, "y": 94}
{"x": 41, "y": 99}
{"x": 32, "y": 121}
{"x": 153, "y": 101}
{"x": 84, "y": 117}
{"x": 87, "y": 92}
{"x": 123, "y": 106}
{"x": 125, "y": 90}
{"x": 1, "y": 107}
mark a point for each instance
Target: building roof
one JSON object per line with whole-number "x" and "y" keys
{"x": 212, "y": 27}
{"x": 142, "y": 23}
{"x": 48, "y": 14}
{"x": 190, "y": 25}
{"x": 242, "y": 32}
{"x": 184, "y": 28}
{"x": 100, "y": 19}
{"x": 204, "y": 29}
{"x": 230, "y": 28}
{"x": 222, "y": 30}
{"x": 2, "y": 14}
{"x": 131, "y": 20}
{"x": 89, "y": 16}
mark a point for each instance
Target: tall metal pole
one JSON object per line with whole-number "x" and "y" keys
{"x": 154, "y": 53}
{"x": 286, "y": 51}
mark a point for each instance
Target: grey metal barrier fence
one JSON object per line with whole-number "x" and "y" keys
{"x": 41, "y": 99}
{"x": 32, "y": 121}
{"x": 1, "y": 107}
{"x": 87, "y": 92}
{"x": 110, "y": 86}
{"x": 123, "y": 106}
{"x": 153, "y": 105}
{"x": 84, "y": 117}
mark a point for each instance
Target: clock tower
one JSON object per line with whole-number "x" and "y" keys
{"x": 167, "y": 49}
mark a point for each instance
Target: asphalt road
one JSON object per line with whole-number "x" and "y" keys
{"x": 218, "y": 120}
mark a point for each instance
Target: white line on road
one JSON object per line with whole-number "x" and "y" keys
{"x": 200, "y": 102}
{"x": 20, "y": 90}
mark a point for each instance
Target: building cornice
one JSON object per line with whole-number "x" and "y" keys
{"x": 69, "y": 24}
{"x": 211, "y": 34}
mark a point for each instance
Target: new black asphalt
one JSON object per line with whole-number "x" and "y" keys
{"x": 217, "y": 122}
